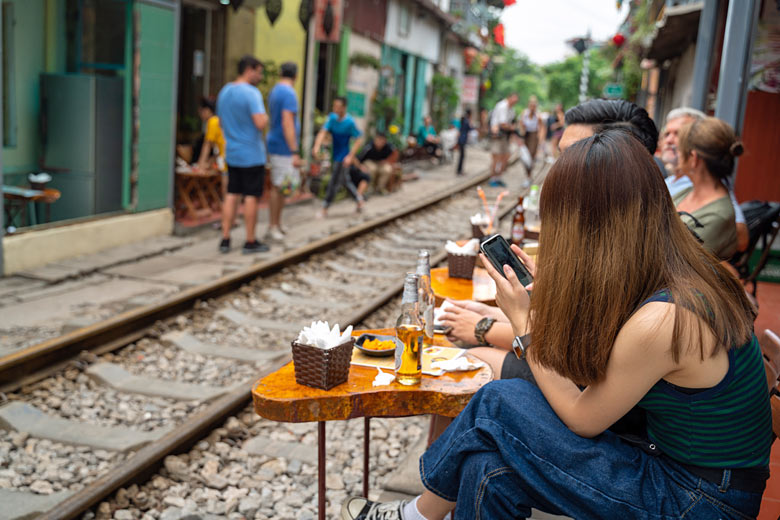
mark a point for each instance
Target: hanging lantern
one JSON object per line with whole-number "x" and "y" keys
{"x": 484, "y": 59}
{"x": 328, "y": 20}
{"x": 498, "y": 34}
{"x": 273, "y": 8}
{"x": 618, "y": 40}
{"x": 305, "y": 12}
{"x": 469, "y": 53}
{"x": 507, "y": 3}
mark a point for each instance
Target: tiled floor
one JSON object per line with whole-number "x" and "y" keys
{"x": 769, "y": 318}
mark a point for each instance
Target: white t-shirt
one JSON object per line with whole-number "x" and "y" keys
{"x": 502, "y": 114}
{"x": 531, "y": 123}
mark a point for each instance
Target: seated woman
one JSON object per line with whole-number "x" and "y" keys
{"x": 707, "y": 148}
{"x": 655, "y": 322}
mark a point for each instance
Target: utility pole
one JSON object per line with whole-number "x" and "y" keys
{"x": 584, "y": 76}
{"x": 702, "y": 63}
{"x": 309, "y": 89}
{"x": 2, "y": 209}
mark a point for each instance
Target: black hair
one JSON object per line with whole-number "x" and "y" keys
{"x": 248, "y": 62}
{"x": 208, "y": 103}
{"x": 342, "y": 99}
{"x": 288, "y": 69}
{"x": 604, "y": 114}
{"x": 468, "y": 112}
{"x": 380, "y": 134}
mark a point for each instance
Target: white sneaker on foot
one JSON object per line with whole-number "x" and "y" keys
{"x": 359, "y": 508}
{"x": 275, "y": 233}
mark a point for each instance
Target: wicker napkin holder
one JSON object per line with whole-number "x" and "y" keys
{"x": 322, "y": 368}
{"x": 476, "y": 231}
{"x": 461, "y": 266}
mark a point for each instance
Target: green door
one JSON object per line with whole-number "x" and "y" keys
{"x": 156, "y": 104}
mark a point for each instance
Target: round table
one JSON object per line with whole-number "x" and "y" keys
{"x": 480, "y": 288}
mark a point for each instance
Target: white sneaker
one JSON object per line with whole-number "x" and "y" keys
{"x": 275, "y": 233}
{"x": 359, "y": 508}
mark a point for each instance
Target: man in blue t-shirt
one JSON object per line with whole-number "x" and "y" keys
{"x": 283, "y": 146}
{"x": 242, "y": 118}
{"x": 342, "y": 129}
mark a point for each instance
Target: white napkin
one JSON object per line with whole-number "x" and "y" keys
{"x": 383, "y": 378}
{"x": 479, "y": 219}
{"x": 460, "y": 364}
{"x": 438, "y": 311}
{"x": 470, "y": 248}
{"x": 320, "y": 335}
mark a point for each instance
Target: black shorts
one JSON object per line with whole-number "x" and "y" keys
{"x": 357, "y": 175}
{"x": 247, "y": 181}
{"x": 514, "y": 368}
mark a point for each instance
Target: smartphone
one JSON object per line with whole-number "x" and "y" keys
{"x": 496, "y": 249}
{"x": 442, "y": 329}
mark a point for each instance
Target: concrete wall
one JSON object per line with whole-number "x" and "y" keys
{"x": 284, "y": 41}
{"x": 240, "y": 36}
{"x": 30, "y": 250}
{"x": 29, "y": 56}
{"x": 424, "y": 38}
{"x": 681, "y": 91}
{"x": 363, "y": 80}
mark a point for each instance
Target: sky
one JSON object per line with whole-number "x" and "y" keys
{"x": 540, "y": 28}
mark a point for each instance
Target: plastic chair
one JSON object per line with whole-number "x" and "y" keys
{"x": 763, "y": 222}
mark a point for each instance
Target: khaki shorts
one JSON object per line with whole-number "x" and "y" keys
{"x": 283, "y": 172}
{"x": 499, "y": 146}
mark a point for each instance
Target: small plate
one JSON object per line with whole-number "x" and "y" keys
{"x": 376, "y": 353}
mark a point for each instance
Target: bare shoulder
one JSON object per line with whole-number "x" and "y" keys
{"x": 650, "y": 328}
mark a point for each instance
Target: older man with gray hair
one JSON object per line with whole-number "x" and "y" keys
{"x": 678, "y": 181}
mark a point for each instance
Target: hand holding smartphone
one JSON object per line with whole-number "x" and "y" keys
{"x": 497, "y": 250}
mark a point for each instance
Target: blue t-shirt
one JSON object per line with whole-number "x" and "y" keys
{"x": 342, "y": 131}
{"x": 282, "y": 97}
{"x": 236, "y": 104}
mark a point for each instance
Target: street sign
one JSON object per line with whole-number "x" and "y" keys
{"x": 613, "y": 90}
{"x": 470, "y": 89}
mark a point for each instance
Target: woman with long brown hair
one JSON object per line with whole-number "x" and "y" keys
{"x": 627, "y": 309}
{"x": 707, "y": 149}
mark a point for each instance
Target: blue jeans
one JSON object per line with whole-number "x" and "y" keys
{"x": 508, "y": 452}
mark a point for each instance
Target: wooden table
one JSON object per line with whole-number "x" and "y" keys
{"x": 18, "y": 199}
{"x": 279, "y": 398}
{"x": 199, "y": 192}
{"x": 480, "y": 288}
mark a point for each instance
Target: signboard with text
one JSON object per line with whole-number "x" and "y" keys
{"x": 470, "y": 89}
{"x": 328, "y": 15}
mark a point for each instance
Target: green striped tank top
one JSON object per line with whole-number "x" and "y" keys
{"x": 726, "y": 426}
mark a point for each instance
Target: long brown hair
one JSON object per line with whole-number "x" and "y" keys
{"x": 610, "y": 239}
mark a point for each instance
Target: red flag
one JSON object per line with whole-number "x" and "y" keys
{"x": 498, "y": 34}
{"x": 507, "y": 3}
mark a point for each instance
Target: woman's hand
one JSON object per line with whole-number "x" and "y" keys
{"x": 481, "y": 308}
{"x": 511, "y": 296}
{"x": 463, "y": 322}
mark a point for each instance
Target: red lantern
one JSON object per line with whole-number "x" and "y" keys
{"x": 618, "y": 40}
{"x": 507, "y": 3}
{"x": 498, "y": 34}
{"x": 469, "y": 53}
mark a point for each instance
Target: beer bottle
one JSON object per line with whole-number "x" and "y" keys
{"x": 409, "y": 329}
{"x": 427, "y": 299}
{"x": 518, "y": 223}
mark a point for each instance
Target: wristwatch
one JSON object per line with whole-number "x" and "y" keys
{"x": 520, "y": 344}
{"x": 482, "y": 327}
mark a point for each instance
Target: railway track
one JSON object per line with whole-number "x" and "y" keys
{"x": 111, "y": 401}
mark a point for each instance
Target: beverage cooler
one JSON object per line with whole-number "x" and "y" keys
{"x": 82, "y": 142}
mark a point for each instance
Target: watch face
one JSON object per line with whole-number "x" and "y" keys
{"x": 518, "y": 348}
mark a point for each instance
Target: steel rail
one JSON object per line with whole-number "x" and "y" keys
{"x": 150, "y": 458}
{"x": 25, "y": 363}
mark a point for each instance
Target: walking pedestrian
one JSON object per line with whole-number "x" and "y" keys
{"x": 283, "y": 147}
{"x": 463, "y": 139}
{"x": 533, "y": 126}
{"x": 555, "y": 126}
{"x": 242, "y": 118}
{"x": 501, "y": 129}
{"x": 342, "y": 129}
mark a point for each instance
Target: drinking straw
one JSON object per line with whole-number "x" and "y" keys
{"x": 498, "y": 201}
{"x": 484, "y": 200}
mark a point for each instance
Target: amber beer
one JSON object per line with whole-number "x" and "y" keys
{"x": 427, "y": 299}
{"x": 409, "y": 329}
{"x": 518, "y": 223}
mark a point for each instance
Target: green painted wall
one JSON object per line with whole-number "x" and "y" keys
{"x": 283, "y": 41}
{"x": 156, "y": 105}
{"x": 29, "y": 61}
{"x": 343, "y": 69}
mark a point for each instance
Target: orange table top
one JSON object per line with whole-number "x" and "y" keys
{"x": 279, "y": 398}
{"x": 480, "y": 288}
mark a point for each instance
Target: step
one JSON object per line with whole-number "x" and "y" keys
{"x": 23, "y": 417}
{"x": 113, "y": 375}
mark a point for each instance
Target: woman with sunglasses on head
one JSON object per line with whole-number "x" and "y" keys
{"x": 628, "y": 309}
{"x": 707, "y": 149}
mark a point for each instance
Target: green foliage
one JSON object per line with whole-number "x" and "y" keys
{"x": 271, "y": 75}
{"x": 361, "y": 59}
{"x": 386, "y": 115}
{"x": 513, "y": 72}
{"x": 444, "y": 101}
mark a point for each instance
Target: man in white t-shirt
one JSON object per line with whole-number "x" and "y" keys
{"x": 502, "y": 126}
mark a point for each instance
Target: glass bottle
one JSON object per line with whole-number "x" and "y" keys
{"x": 518, "y": 223}
{"x": 427, "y": 299}
{"x": 409, "y": 329}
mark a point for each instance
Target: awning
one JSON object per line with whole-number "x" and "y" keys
{"x": 676, "y": 31}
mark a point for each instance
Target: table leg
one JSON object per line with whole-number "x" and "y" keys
{"x": 366, "y": 451}
{"x": 321, "y": 470}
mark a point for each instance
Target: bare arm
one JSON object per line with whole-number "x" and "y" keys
{"x": 260, "y": 121}
{"x": 204, "y": 155}
{"x": 353, "y": 152}
{"x": 321, "y": 135}
{"x": 288, "y": 128}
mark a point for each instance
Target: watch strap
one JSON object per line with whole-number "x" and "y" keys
{"x": 520, "y": 345}
{"x": 482, "y": 328}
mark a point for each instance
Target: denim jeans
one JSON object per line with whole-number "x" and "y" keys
{"x": 508, "y": 452}
{"x": 339, "y": 177}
